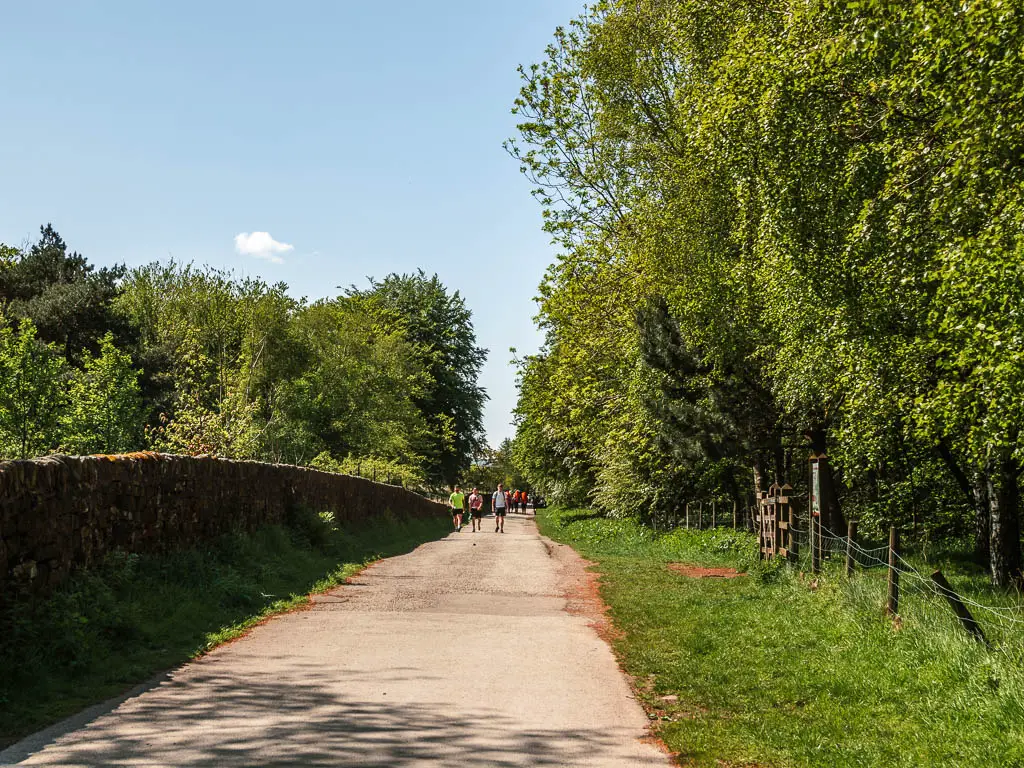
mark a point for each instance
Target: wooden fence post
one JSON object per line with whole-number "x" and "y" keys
{"x": 892, "y": 604}
{"x": 735, "y": 520}
{"x": 714, "y": 514}
{"x": 815, "y": 536}
{"x": 851, "y": 534}
{"x": 792, "y": 543}
{"x": 959, "y": 608}
{"x": 700, "y": 515}
{"x": 687, "y": 515}
{"x": 759, "y": 526}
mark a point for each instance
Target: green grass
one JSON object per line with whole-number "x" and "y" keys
{"x": 115, "y": 626}
{"x": 778, "y": 669}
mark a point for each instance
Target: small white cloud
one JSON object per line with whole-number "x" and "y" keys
{"x": 262, "y": 246}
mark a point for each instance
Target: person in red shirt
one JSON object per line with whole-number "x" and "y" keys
{"x": 476, "y": 503}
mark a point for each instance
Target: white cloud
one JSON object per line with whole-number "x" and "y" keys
{"x": 261, "y": 245}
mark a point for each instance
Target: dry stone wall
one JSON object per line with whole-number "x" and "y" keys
{"x": 64, "y": 512}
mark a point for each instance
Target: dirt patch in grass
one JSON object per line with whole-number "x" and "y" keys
{"x": 703, "y": 572}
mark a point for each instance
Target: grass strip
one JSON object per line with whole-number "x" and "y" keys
{"x": 775, "y": 668}
{"x": 112, "y": 627}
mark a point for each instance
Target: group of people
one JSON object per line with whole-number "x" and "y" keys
{"x": 501, "y": 502}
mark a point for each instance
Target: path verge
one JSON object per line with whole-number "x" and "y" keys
{"x": 461, "y": 652}
{"x": 110, "y": 628}
{"x": 770, "y": 669}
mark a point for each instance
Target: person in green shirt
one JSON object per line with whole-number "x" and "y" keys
{"x": 456, "y": 502}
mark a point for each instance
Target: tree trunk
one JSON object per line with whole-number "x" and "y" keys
{"x": 982, "y": 520}
{"x": 737, "y": 499}
{"x": 1004, "y": 522}
{"x": 975, "y": 490}
{"x": 778, "y": 462}
{"x": 758, "y": 486}
{"x": 831, "y": 513}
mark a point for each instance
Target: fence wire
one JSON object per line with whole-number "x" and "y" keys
{"x": 1007, "y": 618}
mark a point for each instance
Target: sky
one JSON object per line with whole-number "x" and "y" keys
{"x": 315, "y": 143}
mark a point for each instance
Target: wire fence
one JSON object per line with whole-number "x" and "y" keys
{"x": 1002, "y": 625}
{"x": 1007, "y": 620}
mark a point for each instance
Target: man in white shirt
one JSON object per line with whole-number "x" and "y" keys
{"x": 498, "y": 503}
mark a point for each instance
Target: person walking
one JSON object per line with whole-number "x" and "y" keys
{"x": 456, "y": 501}
{"x": 476, "y": 510}
{"x": 500, "y": 503}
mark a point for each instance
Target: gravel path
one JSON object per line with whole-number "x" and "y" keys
{"x": 475, "y": 650}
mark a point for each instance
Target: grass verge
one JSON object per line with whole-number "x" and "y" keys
{"x": 776, "y": 669}
{"x": 115, "y": 626}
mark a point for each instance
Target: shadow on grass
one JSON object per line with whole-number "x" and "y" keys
{"x": 108, "y": 629}
{"x": 577, "y": 516}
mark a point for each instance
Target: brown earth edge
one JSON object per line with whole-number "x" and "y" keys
{"x": 581, "y": 587}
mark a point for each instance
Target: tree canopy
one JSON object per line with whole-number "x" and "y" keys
{"x": 440, "y": 327}
{"x": 783, "y": 224}
{"x": 381, "y": 380}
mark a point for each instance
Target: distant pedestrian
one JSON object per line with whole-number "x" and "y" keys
{"x": 476, "y": 509}
{"x": 456, "y": 501}
{"x": 499, "y": 501}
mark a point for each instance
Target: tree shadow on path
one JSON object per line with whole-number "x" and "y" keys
{"x": 304, "y": 721}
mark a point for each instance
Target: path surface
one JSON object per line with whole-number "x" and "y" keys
{"x": 466, "y": 652}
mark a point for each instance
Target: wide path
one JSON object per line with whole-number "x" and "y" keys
{"x": 470, "y": 651}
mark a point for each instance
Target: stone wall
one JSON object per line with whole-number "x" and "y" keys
{"x": 64, "y": 512}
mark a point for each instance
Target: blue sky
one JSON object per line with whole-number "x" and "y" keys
{"x": 366, "y": 136}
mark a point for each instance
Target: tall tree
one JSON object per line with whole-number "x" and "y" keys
{"x": 829, "y": 202}
{"x": 67, "y": 299}
{"x": 441, "y": 328}
{"x": 33, "y": 392}
{"x": 104, "y": 414}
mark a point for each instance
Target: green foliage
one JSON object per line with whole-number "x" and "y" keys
{"x": 374, "y": 468}
{"x": 357, "y": 391}
{"x": 33, "y": 393}
{"x": 198, "y": 361}
{"x": 449, "y": 399}
{"x": 816, "y": 209}
{"x": 213, "y": 351}
{"x": 492, "y": 466}
{"x": 66, "y": 298}
{"x": 105, "y": 409}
